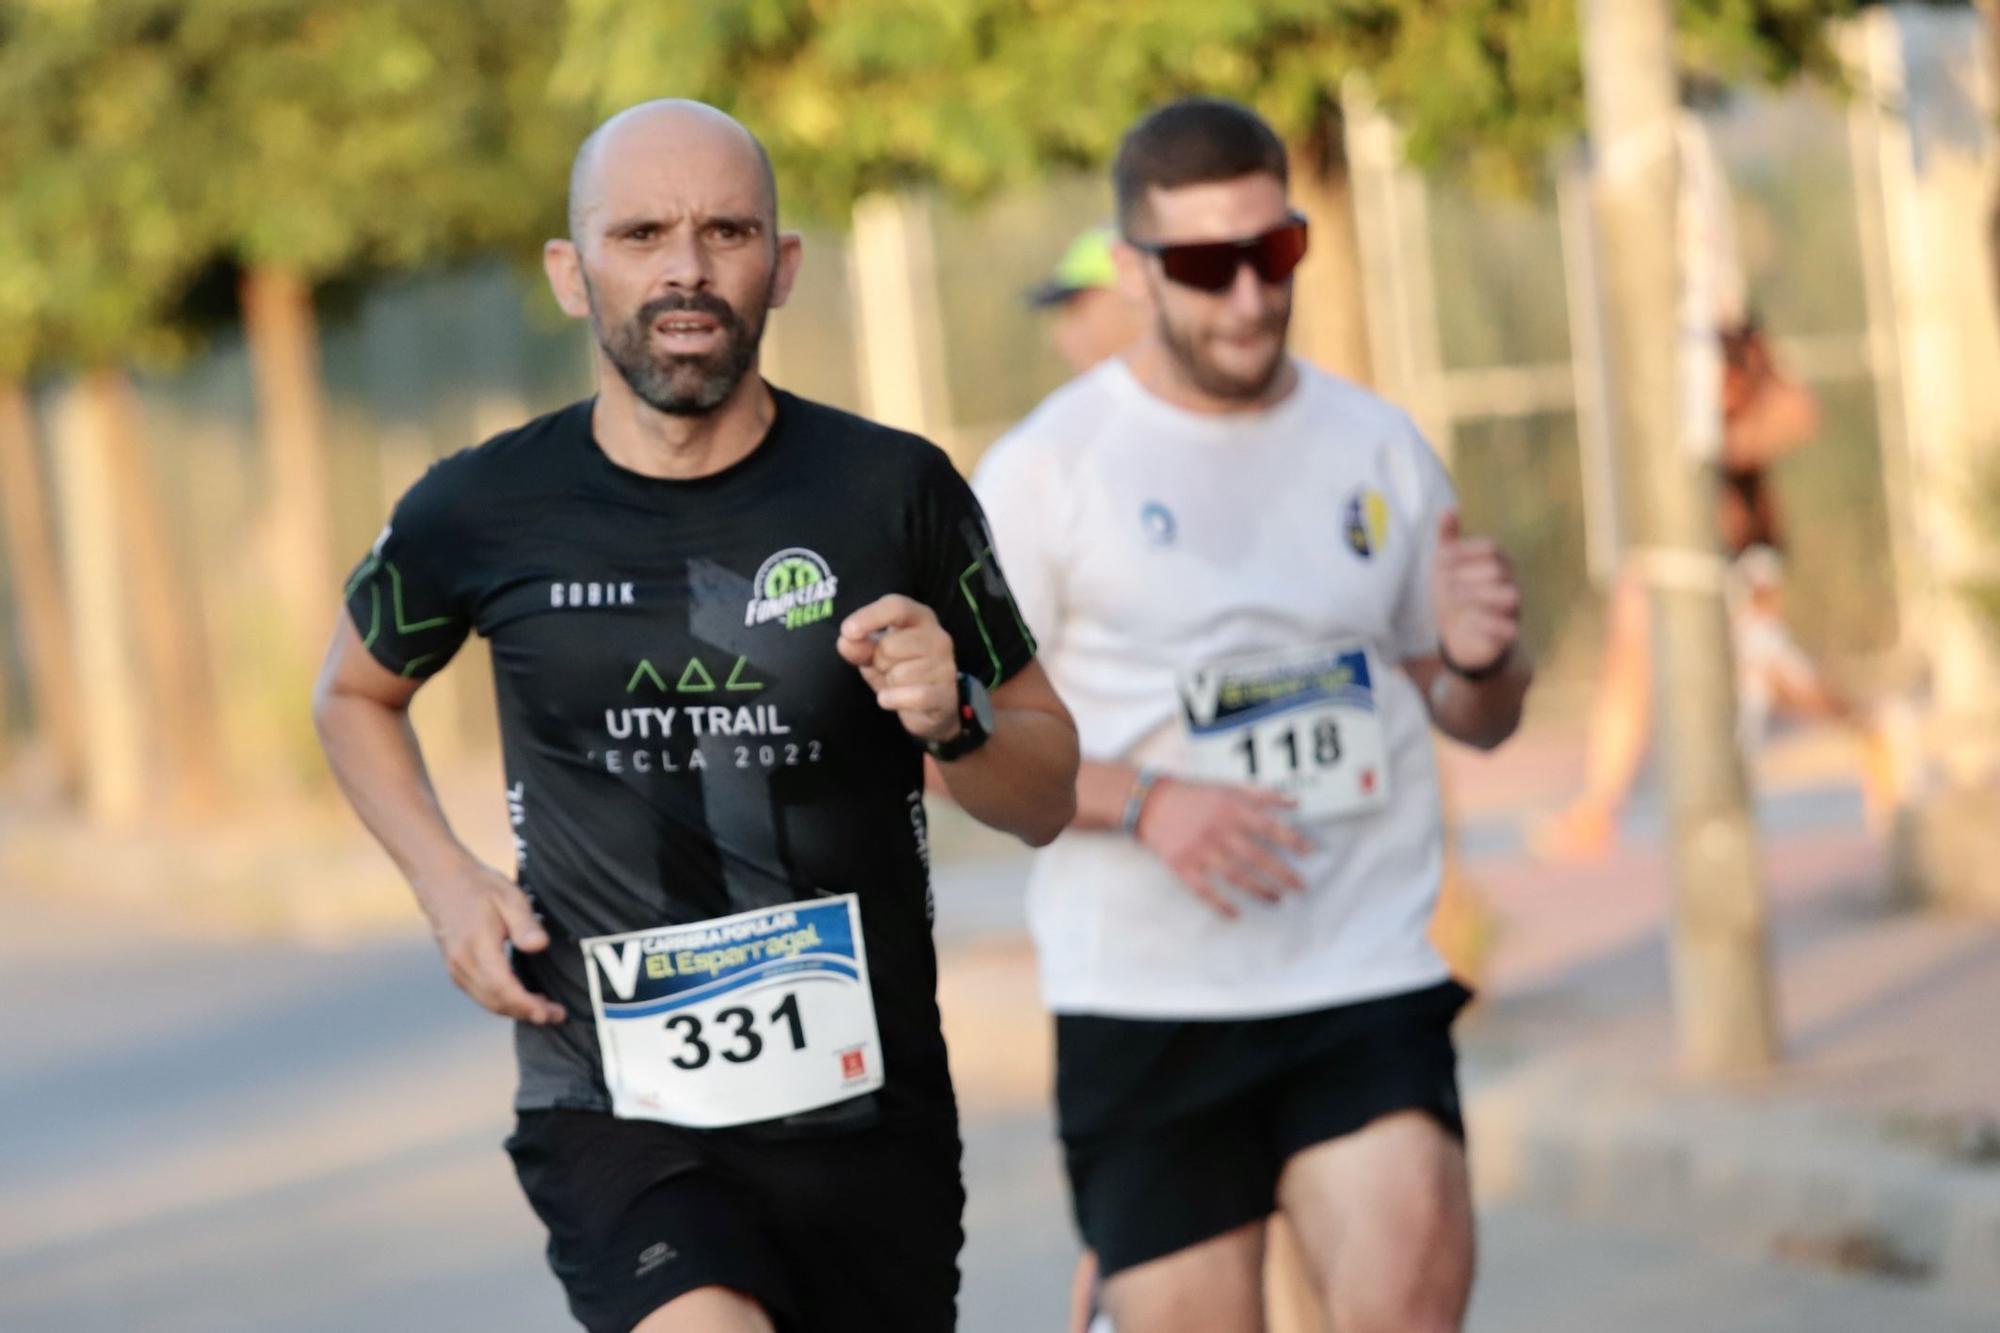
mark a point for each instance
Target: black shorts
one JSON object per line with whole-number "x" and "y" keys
{"x": 855, "y": 1232}
{"x": 1175, "y": 1132}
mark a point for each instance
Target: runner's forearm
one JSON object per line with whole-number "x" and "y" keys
{"x": 1023, "y": 780}
{"x": 373, "y": 752}
{"x": 1103, "y": 788}
{"x": 1480, "y": 713}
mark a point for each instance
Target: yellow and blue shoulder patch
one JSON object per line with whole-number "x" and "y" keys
{"x": 1366, "y": 521}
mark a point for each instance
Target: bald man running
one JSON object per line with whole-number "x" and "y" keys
{"x": 727, "y": 624}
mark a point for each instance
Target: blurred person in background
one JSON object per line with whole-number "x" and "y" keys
{"x": 1252, "y": 590}
{"x": 727, "y": 626}
{"x": 1741, "y": 415}
{"x": 1090, "y": 318}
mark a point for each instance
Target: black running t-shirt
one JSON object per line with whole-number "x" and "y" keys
{"x": 681, "y": 740}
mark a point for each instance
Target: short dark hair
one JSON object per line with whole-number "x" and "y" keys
{"x": 1193, "y": 141}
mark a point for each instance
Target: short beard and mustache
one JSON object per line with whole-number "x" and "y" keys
{"x": 1212, "y": 379}
{"x": 683, "y": 386}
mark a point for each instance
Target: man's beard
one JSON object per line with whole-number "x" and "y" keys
{"x": 1202, "y": 372}
{"x": 683, "y": 386}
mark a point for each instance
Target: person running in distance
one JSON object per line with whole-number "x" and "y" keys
{"x": 1090, "y": 318}
{"x": 1253, "y": 590}
{"x": 1742, "y": 416}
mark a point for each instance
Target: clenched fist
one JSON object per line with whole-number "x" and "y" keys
{"x": 908, "y": 660}
{"x": 1477, "y": 601}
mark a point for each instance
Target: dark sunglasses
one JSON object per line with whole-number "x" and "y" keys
{"x": 1210, "y": 266}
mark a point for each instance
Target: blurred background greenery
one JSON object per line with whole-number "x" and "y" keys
{"x": 266, "y": 259}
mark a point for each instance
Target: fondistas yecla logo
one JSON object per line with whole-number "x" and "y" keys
{"x": 796, "y": 586}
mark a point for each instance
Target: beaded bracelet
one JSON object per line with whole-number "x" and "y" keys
{"x": 1135, "y": 803}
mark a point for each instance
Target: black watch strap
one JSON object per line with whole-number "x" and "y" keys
{"x": 972, "y": 731}
{"x": 1476, "y": 674}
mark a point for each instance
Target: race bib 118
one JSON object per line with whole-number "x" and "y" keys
{"x": 739, "y": 1019}
{"x": 1305, "y": 722}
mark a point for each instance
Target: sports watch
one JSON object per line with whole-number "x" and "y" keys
{"x": 975, "y": 722}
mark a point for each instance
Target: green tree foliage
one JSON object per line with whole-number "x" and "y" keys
{"x": 362, "y": 134}
{"x": 153, "y": 149}
{"x": 143, "y": 142}
{"x": 856, "y": 95}
{"x": 95, "y": 237}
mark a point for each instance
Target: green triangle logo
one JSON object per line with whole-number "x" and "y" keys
{"x": 695, "y": 680}
{"x": 736, "y": 681}
{"x": 645, "y": 671}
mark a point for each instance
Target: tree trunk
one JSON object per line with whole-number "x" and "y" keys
{"x": 26, "y": 503}
{"x": 283, "y": 336}
{"x": 896, "y": 318}
{"x": 1989, "y": 10}
{"x": 1722, "y": 988}
{"x": 1950, "y": 340}
{"x": 106, "y": 678}
{"x": 165, "y": 598}
{"x": 1330, "y": 313}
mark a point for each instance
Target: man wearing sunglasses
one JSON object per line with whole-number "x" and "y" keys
{"x": 1249, "y": 584}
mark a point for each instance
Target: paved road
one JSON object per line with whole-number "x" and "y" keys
{"x": 209, "y": 1137}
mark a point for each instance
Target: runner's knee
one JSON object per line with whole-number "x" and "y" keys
{"x": 1213, "y": 1287}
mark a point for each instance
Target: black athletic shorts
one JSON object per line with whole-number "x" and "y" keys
{"x": 830, "y": 1234}
{"x": 1175, "y": 1132}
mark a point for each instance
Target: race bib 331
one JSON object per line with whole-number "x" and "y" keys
{"x": 738, "y": 1019}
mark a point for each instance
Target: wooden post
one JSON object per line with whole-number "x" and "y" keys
{"x": 1722, "y": 990}
{"x": 1329, "y": 310}
{"x": 26, "y": 503}
{"x": 1989, "y": 10}
{"x": 1392, "y": 220}
{"x": 1938, "y": 155}
{"x": 106, "y": 677}
{"x": 283, "y": 336}
{"x": 1872, "y": 151}
{"x": 896, "y": 319}
{"x": 166, "y": 599}
{"x": 1597, "y": 459}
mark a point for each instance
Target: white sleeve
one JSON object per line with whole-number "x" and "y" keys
{"x": 1709, "y": 227}
{"x": 1015, "y": 491}
{"x": 1422, "y": 494}
{"x": 1712, "y": 290}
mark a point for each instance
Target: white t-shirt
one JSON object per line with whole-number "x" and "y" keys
{"x": 1712, "y": 294}
{"x": 1146, "y": 544}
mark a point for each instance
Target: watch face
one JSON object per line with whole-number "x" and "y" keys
{"x": 981, "y": 703}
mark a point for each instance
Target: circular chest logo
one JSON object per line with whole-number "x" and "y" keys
{"x": 796, "y": 586}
